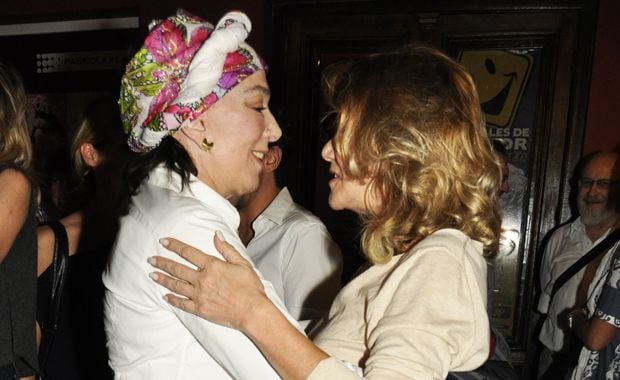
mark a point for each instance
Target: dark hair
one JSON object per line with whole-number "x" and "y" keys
{"x": 100, "y": 126}
{"x": 585, "y": 160}
{"x": 170, "y": 153}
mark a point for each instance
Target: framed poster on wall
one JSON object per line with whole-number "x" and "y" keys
{"x": 508, "y": 82}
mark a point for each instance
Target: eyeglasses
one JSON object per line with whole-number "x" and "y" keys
{"x": 603, "y": 184}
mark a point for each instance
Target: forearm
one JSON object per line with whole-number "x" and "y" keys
{"x": 580, "y": 324}
{"x": 291, "y": 353}
{"x": 594, "y": 332}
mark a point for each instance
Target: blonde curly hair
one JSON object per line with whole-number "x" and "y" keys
{"x": 15, "y": 145}
{"x": 410, "y": 122}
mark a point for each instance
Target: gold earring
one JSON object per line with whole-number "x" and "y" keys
{"x": 206, "y": 145}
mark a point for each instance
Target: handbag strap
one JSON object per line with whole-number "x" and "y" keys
{"x": 60, "y": 269}
{"x": 594, "y": 252}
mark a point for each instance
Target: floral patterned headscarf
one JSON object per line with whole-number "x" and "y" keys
{"x": 184, "y": 67}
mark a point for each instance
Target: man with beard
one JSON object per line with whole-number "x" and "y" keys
{"x": 598, "y": 216}
{"x": 290, "y": 246}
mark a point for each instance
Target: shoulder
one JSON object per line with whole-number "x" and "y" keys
{"x": 14, "y": 179}
{"x": 299, "y": 217}
{"x": 446, "y": 251}
{"x": 450, "y": 241}
{"x": 568, "y": 233}
{"x": 290, "y": 213}
{"x": 15, "y": 189}
{"x": 564, "y": 231}
{"x": 167, "y": 207}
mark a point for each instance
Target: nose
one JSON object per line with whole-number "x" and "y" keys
{"x": 272, "y": 129}
{"x": 328, "y": 151}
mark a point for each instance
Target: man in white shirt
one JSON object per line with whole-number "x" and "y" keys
{"x": 567, "y": 244}
{"x": 290, "y": 246}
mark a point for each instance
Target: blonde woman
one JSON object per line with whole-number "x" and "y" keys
{"x": 411, "y": 156}
{"x": 18, "y": 243}
{"x": 100, "y": 152}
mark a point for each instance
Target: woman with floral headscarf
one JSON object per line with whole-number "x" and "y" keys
{"x": 194, "y": 101}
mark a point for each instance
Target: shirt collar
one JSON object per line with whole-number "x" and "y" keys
{"x": 278, "y": 209}
{"x": 165, "y": 178}
{"x": 579, "y": 227}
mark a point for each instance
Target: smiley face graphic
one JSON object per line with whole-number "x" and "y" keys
{"x": 500, "y": 76}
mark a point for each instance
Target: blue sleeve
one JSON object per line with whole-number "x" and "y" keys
{"x": 608, "y": 305}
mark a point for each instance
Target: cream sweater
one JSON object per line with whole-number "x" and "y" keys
{"x": 419, "y": 316}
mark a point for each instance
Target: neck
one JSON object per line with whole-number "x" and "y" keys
{"x": 595, "y": 232}
{"x": 256, "y": 204}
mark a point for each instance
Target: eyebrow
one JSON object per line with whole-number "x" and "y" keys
{"x": 259, "y": 88}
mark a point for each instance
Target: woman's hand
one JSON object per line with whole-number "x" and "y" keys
{"x": 226, "y": 292}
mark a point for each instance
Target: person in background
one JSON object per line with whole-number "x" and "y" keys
{"x": 500, "y": 150}
{"x": 99, "y": 153}
{"x": 51, "y": 163}
{"x": 597, "y": 322}
{"x": 195, "y": 104}
{"x": 567, "y": 244}
{"x": 18, "y": 241}
{"x": 290, "y": 246}
{"x": 411, "y": 156}
{"x": 500, "y": 350}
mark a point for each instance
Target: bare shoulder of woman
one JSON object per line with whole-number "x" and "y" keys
{"x": 14, "y": 180}
{"x": 45, "y": 246}
{"x": 73, "y": 226}
{"x": 14, "y": 201}
{"x": 45, "y": 239}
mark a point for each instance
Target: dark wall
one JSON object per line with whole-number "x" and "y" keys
{"x": 34, "y": 10}
{"x": 603, "y": 120}
{"x": 603, "y": 123}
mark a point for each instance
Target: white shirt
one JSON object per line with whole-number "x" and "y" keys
{"x": 293, "y": 250}
{"x": 149, "y": 339}
{"x": 567, "y": 245}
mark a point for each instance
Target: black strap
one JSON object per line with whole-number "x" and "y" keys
{"x": 60, "y": 269}
{"x": 593, "y": 253}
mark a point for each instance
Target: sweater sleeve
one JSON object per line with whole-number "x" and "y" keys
{"x": 425, "y": 317}
{"x": 332, "y": 368}
{"x": 431, "y": 318}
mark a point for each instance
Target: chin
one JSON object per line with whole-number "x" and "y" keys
{"x": 334, "y": 205}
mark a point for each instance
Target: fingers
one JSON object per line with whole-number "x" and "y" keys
{"x": 181, "y": 303}
{"x": 173, "y": 268}
{"x": 172, "y": 284}
{"x": 189, "y": 253}
{"x": 228, "y": 252}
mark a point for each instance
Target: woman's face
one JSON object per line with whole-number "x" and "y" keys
{"x": 240, "y": 126}
{"x": 346, "y": 193}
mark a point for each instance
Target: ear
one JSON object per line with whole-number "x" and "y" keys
{"x": 273, "y": 158}
{"x": 195, "y": 130}
{"x": 91, "y": 156}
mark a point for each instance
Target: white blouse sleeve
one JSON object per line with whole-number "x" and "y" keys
{"x": 234, "y": 351}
